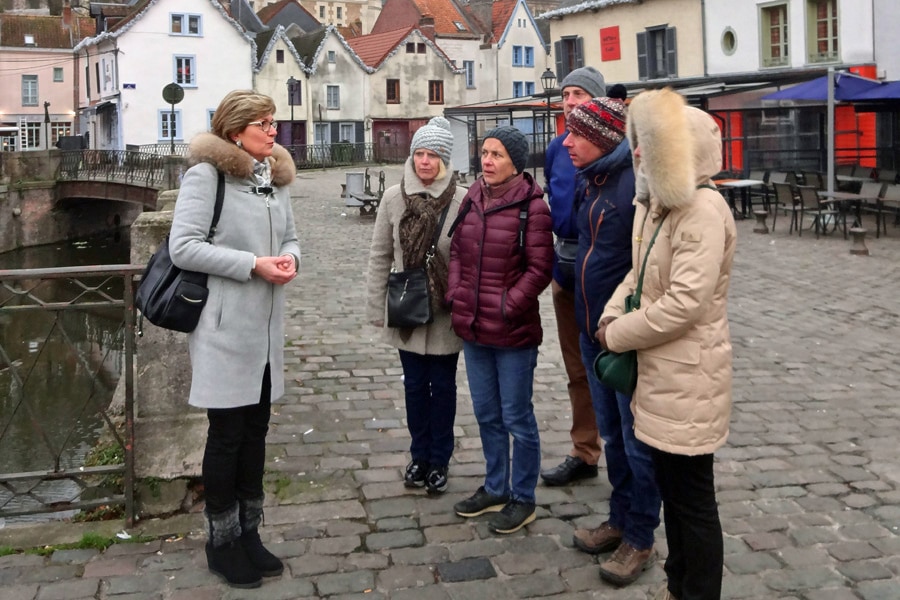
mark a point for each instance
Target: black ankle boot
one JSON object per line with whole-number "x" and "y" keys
{"x": 267, "y": 563}
{"x": 230, "y": 562}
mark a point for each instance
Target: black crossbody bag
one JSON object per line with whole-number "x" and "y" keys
{"x": 170, "y": 297}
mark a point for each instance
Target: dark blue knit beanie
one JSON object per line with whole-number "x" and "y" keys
{"x": 515, "y": 143}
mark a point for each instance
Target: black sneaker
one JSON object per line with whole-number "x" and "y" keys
{"x": 479, "y": 503}
{"x": 416, "y": 471}
{"x": 436, "y": 480}
{"x": 513, "y": 517}
{"x": 571, "y": 469}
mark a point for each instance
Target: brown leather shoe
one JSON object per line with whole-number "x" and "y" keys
{"x": 626, "y": 564}
{"x": 605, "y": 538}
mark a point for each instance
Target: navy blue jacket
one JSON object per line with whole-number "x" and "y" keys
{"x": 559, "y": 174}
{"x": 603, "y": 197}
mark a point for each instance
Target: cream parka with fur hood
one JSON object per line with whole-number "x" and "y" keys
{"x": 682, "y": 403}
{"x": 241, "y": 327}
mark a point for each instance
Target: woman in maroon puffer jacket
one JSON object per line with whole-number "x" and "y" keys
{"x": 501, "y": 259}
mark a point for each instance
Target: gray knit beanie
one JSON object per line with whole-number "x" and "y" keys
{"x": 515, "y": 143}
{"x": 435, "y": 136}
{"x": 587, "y": 78}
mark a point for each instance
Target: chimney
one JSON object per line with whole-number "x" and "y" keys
{"x": 67, "y": 15}
{"x": 426, "y": 26}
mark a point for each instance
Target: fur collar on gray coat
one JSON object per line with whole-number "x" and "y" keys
{"x": 227, "y": 157}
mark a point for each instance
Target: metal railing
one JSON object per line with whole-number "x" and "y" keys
{"x": 48, "y": 311}
{"x": 320, "y": 156}
{"x": 161, "y": 149}
{"x": 123, "y": 166}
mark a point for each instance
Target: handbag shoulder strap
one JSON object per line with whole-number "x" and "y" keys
{"x": 217, "y": 211}
{"x": 636, "y": 297}
{"x": 437, "y": 234}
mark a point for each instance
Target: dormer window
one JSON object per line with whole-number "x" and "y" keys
{"x": 29, "y": 40}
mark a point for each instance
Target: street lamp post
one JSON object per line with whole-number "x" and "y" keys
{"x": 292, "y": 87}
{"x": 47, "y": 123}
{"x": 548, "y": 82}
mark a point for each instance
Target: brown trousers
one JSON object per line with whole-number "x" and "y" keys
{"x": 585, "y": 437}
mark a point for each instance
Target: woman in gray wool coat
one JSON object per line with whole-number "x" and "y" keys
{"x": 408, "y": 217}
{"x": 237, "y": 349}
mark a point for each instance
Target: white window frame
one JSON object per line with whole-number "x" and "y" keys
{"x": 344, "y": 128}
{"x": 333, "y": 97}
{"x": 188, "y": 21}
{"x": 31, "y": 134}
{"x": 469, "y": 66}
{"x": 58, "y": 74}
{"x": 164, "y": 117}
{"x": 29, "y": 90}
{"x": 177, "y": 78}
{"x": 765, "y": 33}
{"x": 332, "y": 56}
{"x": 59, "y": 129}
{"x": 322, "y": 134}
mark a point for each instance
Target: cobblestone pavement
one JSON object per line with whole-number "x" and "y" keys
{"x": 809, "y": 482}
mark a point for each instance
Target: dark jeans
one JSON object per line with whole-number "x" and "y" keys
{"x": 634, "y": 502}
{"x": 429, "y": 381}
{"x": 235, "y": 454}
{"x": 693, "y": 530}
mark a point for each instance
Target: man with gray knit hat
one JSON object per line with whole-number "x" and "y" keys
{"x": 577, "y": 87}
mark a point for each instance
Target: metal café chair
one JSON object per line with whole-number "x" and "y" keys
{"x": 821, "y": 211}
{"x": 786, "y": 201}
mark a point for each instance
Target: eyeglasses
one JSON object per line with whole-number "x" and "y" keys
{"x": 266, "y": 126}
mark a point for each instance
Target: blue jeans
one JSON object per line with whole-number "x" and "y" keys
{"x": 429, "y": 381}
{"x": 634, "y": 502}
{"x": 501, "y": 381}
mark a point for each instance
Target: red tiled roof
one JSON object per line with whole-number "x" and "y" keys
{"x": 501, "y": 13}
{"x": 372, "y": 49}
{"x": 48, "y": 31}
{"x": 445, "y": 16}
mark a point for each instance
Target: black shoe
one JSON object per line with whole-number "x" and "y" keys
{"x": 267, "y": 563}
{"x": 436, "y": 480}
{"x": 416, "y": 471}
{"x": 571, "y": 469}
{"x": 479, "y": 503}
{"x": 513, "y": 517}
{"x": 231, "y": 563}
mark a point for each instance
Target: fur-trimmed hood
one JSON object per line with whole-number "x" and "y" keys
{"x": 227, "y": 157}
{"x": 668, "y": 132}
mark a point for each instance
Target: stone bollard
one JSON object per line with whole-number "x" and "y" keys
{"x": 859, "y": 241}
{"x": 169, "y": 435}
{"x": 761, "y": 216}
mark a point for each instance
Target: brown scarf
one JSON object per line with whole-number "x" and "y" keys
{"x": 417, "y": 227}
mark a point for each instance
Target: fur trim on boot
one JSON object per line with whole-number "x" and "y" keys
{"x": 225, "y": 554}
{"x": 251, "y": 515}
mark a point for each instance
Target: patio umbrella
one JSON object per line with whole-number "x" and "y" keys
{"x": 846, "y": 87}
{"x": 889, "y": 90}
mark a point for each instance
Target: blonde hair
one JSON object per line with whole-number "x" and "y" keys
{"x": 237, "y": 109}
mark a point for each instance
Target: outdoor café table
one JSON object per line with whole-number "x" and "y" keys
{"x": 844, "y": 198}
{"x": 852, "y": 178}
{"x": 739, "y": 184}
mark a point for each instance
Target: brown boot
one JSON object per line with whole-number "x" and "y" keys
{"x": 605, "y": 538}
{"x": 626, "y": 564}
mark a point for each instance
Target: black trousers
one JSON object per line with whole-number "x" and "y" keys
{"x": 693, "y": 531}
{"x": 235, "y": 454}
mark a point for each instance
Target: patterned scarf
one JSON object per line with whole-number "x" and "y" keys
{"x": 417, "y": 227}
{"x": 262, "y": 172}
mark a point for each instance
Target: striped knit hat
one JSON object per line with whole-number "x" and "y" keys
{"x": 435, "y": 136}
{"x": 601, "y": 121}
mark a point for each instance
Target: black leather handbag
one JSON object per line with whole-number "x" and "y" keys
{"x": 408, "y": 292}
{"x": 170, "y": 297}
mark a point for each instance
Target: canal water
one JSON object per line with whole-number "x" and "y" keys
{"x": 67, "y": 365}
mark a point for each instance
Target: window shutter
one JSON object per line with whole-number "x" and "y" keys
{"x": 335, "y": 132}
{"x": 643, "y": 67}
{"x": 360, "y": 132}
{"x": 558, "y": 55}
{"x": 671, "y": 53}
{"x": 579, "y": 52}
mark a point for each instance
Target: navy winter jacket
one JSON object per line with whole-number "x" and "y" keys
{"x": 604, "y": 200}
{"x": 559, "y": 175}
